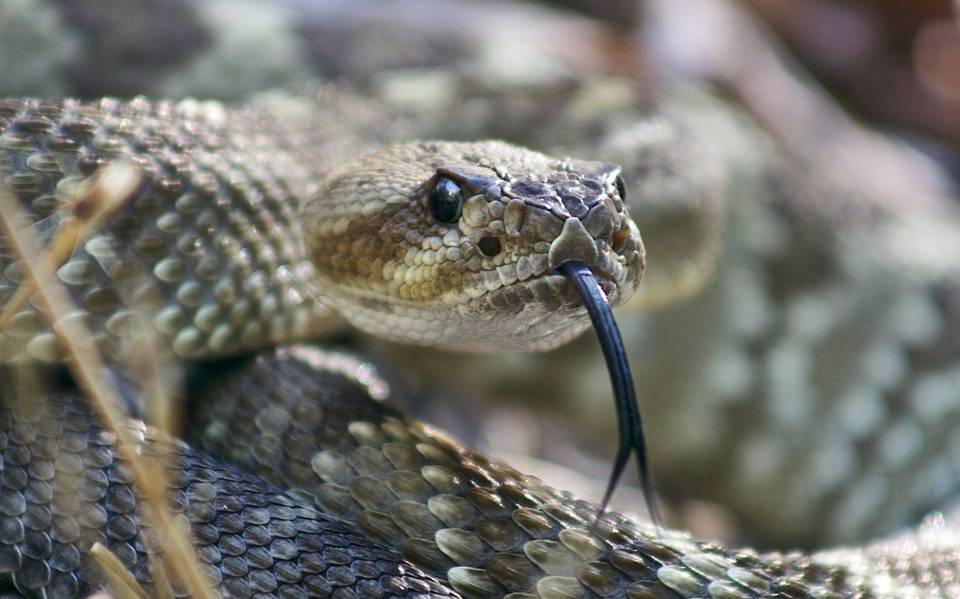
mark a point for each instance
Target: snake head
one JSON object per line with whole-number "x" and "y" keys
{"x": 458, "y": 244}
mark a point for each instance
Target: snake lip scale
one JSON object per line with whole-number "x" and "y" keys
{"x": 570, "y": 300}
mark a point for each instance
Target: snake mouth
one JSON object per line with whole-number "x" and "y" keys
{"x": 612, "y": 281}
{"x": 546, "y": 310}
{"x": 608, "y": 283}
{"x": 550, "y": 296}
{"x": 616, "y": 273}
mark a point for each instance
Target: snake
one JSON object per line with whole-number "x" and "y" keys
{"x": 454, "y": 245}
{"x": 376, "y": 504}
{"x": 919, "y": 564}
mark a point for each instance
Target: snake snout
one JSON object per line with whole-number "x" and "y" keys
{"x": 573, "y": 243}
{"x": 613, "y": 268}
{"x": 580, "y": 213}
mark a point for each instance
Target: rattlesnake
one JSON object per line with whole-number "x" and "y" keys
{"x": 482, "y": 527}
{"x": 243, "y": 234}
{"x": 679, "y": 582}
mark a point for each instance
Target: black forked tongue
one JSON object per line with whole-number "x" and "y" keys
{"x": 624, "y": 397}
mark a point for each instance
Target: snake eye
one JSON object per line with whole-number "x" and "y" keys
{"x": 446, "y": 200}
{"x": 621, "y": 188}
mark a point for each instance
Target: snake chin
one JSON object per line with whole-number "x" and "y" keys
{"x": 554, "y": 314}
{"x": 538, "y": 314}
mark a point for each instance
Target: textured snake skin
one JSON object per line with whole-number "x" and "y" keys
{"x": 395, "y": 508}
{"x": 701, "y": 366}
{"x": 209, "y": 293}
{"x": 64, "y": 488}
{"x": 315, "y": 421}
{"x": 490, "y": 530}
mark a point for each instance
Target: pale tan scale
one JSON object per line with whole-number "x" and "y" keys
{"x": 711, "y": 566}
{"x": 578, "y": 540}
{"x": 724, "y": 590}
{"x": 551, "y": 557}
{"x": 462, "y": 546}
{"x": 558, "y": 587}
{"x": 472, "y": 581}
{"x": 681, "y": 581}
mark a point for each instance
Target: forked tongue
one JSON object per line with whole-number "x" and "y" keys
{"x": 624, "y": 396}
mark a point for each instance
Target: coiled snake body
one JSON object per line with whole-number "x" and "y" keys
{"x": 216, "y": 249}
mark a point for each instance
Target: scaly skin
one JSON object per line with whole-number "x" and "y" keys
{"x": 64, "y": 488}
{"x": 184, "y": 310}
{"x": 242, "y": 228}
{"x": 315, "y": 421}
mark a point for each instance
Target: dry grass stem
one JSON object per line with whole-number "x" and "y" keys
{"x": 158, "y": 572}
{"x": 90, "y": 372}
{"x": 119, "y": 579}
{"x": 100, "y": 198}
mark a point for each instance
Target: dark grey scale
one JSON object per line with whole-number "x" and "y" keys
{"x": 578, "y": 196}
{"x": 252, "y": 539}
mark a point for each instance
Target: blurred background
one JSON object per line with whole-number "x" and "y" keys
{"x": 891, "y": 63}
{"x": 792, "y": 164}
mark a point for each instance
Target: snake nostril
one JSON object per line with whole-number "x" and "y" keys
{"x": 489, "y": 246}
{"x": 620, "y": 237}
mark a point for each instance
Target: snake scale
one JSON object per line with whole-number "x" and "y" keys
{"x": 480, "y": 528}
